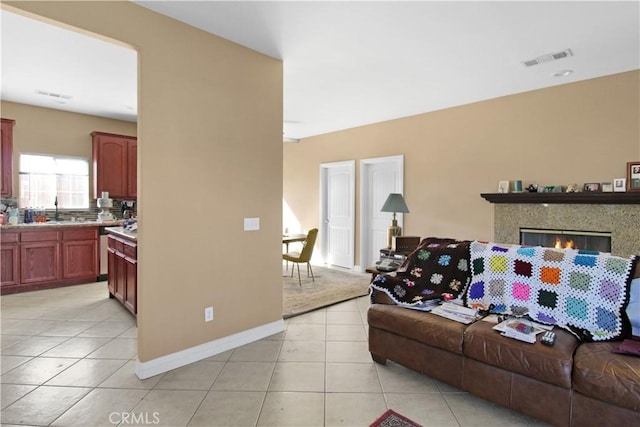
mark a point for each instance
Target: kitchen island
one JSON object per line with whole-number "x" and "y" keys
{"x": 123, "y": 266}
{"x": 49, "y": 255}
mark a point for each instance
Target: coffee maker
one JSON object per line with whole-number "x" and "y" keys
{"x": 128, "y": 208}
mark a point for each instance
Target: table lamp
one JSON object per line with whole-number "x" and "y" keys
{"x": 395, "y": 203}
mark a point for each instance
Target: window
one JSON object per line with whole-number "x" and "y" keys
{"x": 43, "y": 177}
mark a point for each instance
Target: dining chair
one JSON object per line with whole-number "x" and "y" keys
{"x": 304, "y": 256}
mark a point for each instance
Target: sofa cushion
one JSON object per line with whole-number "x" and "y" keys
{"x": 425, "y": 328}
{"x": 552, "y": 365}
{"x": 606, "y": 376}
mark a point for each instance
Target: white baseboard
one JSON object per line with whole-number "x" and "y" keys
{"x": 184, "y": 357}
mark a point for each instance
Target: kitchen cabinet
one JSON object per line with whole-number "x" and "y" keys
{"x": 115, "y": 165}
{"x": 48, "y": 257}
{"x": 132, "y": 169}
{"x": 10, "y": 257}
{"x": 6, "y": 158}
{"x": 123, "y": 271}
{"x": 80, "y": 253}
{"x": 40, "y": 256}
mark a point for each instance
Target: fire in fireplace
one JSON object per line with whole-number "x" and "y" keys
{"x": 562, "y": 239}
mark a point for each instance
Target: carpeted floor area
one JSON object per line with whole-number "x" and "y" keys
{"x": 331, "y": 286}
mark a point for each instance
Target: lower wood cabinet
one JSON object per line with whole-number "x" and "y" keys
{"x": 40, "y": 262}
{"x": 80, "y": 253}
{"x": 123, "y": 271}
{"x": 42, "y": 258}
{"x": 10, "y": 259}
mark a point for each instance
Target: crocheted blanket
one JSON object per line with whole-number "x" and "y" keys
{"x": 582, "y": 291}
{"x": 437, "y": 266}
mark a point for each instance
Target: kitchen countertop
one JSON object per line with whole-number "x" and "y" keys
{"x": 123, "y": 232}
{"x": 49, "y": 224}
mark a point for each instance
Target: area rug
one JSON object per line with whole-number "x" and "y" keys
{"x": 393, "y": 419}
{"x": 331, "y": 286}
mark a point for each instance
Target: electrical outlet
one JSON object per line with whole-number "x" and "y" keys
{"x": 208, "y": 314}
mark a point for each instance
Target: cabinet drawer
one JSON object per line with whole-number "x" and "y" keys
{"x": 39, "y": 236}
{"x": 8, "y": 237}
{"x": 116, "y": 244}
{"x": 130, "y": 250}
{"x": 81, "y": 233}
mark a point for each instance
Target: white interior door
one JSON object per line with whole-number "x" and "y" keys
{"x": 338, "y": 213}
{"x": 378, "y": 178}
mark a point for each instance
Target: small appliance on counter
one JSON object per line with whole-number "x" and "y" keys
{"x": 105, "y": 203}
{"x": 128, "y": 208}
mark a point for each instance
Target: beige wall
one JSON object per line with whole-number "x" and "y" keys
{"x": 573, "y": 133}
{"x": 46, "y": 131}
{"x": 209, "y": 154}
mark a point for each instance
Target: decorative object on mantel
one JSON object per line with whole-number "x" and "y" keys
{"x": 607, "y": 187}
{"x": 532, "y": 188}
{"x": 633, "y": 176}
{"x": 517, "y": 186}
{"x": 630, "y": 198}
{"x": 619, "y": 185}
{"x": 573, "y": 188}
{"x": 503, "y": 186}
{"x": 553, "y": 189}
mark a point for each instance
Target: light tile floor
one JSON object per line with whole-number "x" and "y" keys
{"x": 68, "y": 357}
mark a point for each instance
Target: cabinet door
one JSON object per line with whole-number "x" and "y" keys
{"x": 120, "y": 278}
{"x": 132, "y": 169}
{"x": 80, "y": 259}
{"x": 39, "y": 262}
{"x": 111, "y": 271}
{"x": 6, "y": 158}
{"x": 131, "y": 295}
{"x": 110, "y": 166}
{"x": 9, "y": 264}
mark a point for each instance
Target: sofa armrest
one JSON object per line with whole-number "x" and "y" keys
{"x": 379, "y": 297}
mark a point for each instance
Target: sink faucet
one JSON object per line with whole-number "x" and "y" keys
{"x": 56, "y": 205}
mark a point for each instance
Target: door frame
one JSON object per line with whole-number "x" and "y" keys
{"x": 365, "y": 214}
{"x": 324, "y": 230}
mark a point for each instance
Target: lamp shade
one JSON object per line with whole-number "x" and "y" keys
{"x": 395, "y": 203}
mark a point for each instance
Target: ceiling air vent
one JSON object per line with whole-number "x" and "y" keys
{"x": 548, "y": 58}
{"x": 58, "y": 96}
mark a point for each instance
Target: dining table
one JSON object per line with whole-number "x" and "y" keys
{"x": 292, "y": 238}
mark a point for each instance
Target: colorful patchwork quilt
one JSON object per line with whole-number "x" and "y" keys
{"x": 437, "y": 266}
{"x": 583, "y": 291}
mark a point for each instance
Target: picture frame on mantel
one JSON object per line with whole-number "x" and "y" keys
{"x": 633, "y": 176}
{"x": 503, "y": 187}
{"x": 619, "y": 185}
{"x": 593, "y": 187}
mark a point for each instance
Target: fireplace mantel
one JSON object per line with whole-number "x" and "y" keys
{"x": 629, "y": 198}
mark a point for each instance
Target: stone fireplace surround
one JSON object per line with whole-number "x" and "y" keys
{"x": 622, "y": 220}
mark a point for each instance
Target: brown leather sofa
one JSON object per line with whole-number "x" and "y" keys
{"x": 570, "y": 384}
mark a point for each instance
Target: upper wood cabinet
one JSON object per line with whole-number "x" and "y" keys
{"x": 115, "y": 165}
{"x": 6, "y": 158}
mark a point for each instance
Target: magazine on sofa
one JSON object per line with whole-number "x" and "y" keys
{"x": 521, "y": 329}
{"x": 456, "y": 312}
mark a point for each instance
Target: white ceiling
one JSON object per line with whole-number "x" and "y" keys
{"x": 346, "y": 64}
